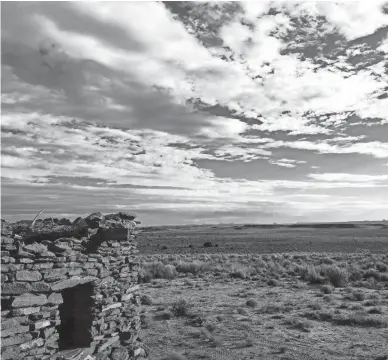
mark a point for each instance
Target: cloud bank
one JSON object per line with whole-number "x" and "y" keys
{"x": 187, "y": 111}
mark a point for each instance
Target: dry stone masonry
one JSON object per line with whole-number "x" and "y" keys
{"x": 69, "y": 290}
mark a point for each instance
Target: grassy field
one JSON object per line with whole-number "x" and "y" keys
{"x": 348, "y": 237}
{"x": 265, "y": 293}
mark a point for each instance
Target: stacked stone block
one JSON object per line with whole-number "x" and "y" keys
{"x": 39, "y": 267}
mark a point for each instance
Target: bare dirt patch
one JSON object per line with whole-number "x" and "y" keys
{"x": 313, "y": 309}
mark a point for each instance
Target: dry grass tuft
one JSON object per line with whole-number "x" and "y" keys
{"x": 181, "y": 308}
{"x": 251, "y": 303}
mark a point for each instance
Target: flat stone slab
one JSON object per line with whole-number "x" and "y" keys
{"x": 28, "y": 300}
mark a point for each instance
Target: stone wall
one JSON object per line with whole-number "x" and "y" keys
{"x": 70, "y": 290}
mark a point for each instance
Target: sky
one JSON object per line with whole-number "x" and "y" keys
{"x": 195, "y": 112}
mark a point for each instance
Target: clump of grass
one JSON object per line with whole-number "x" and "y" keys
{"x": 381, "y": 267}
{"x": 327, "y": 289}
{"x": 327, "y": 260}
{"x": 146, "y": 300}
{"x": 300, "y": 285}
{"x": 298, "y": 324}
{"x": 358, "y": 295}
{"x": 374, "y": 274}
{"x": 214, "y": 340}
{"x": 242, "y": 311}
{"x": 181, "y": 308}
{"x": 313, "y": 277}
{"x": 327, "y": 298}
{"x": 163, "y": 315}
{"x": 370, "y": 302}
{"x": 157, "y": 270}
{"x": 355, "y": 275}
{"x": 249, "y": 340}
{"x": 220, "y": 318}
{"x": 274, "y": 309}
{"x": 193, "y": 267}
{"x": 189, "y": 282}
{"x": 210, "y": 327}
{"x": 174, "y": 356}
{"x": 272, "y": 282}
{"x": 356, "y": 319}
{"x": 375, "y": 310}
{"x": 251, "y": 303}
{"x": 238, "y": 274}
{"x": 314, "y": 306}
{"x": 338, "y": 277}
{"x": 351, "y": 319}
{"x": 146, "y": 321}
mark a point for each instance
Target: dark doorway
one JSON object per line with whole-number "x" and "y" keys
{"x": 76, "y": 317}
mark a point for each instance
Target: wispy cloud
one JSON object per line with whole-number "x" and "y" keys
{"x": 215, "y": 111}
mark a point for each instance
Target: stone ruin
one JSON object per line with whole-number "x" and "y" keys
{"x": 69, "y": 290}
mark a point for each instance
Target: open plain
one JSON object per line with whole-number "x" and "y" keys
{"x": 265, "y": 292}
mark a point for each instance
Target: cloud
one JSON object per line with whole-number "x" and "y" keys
{"x": 130, "y": 101}
{"x": 344, "y": 177}
{"x": 374, "y": 148}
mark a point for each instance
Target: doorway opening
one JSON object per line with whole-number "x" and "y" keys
{"x": 76, "y": 317}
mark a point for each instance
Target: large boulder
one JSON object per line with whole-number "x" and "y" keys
{"x": 121, "y": 216}
{"x": 95, "y": 220}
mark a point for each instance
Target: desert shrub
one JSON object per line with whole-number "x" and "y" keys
{"x": 327, "y": 289}
{"x": 144, "y": 276}
{"x": 298, "y": 324}
{"x": 314, "y": 306}
{"x": 189, "y": 267}
{"x": 242, "y": 311}
{"x": 370, "y": 302}
{"x": 358, "y": 295}
{"x": 359, "y": 319}
{"x": 355, "y": 275}
{"x": 251, "y": 303}
{"x": 372, "y": 273}
{"x": 220, "y": 318}
{"x": 180, "y": 308}
{"x": 328, "y": 261}
{"x": 189, "y": 282}
{"x": 318, "y": 315}
{"x": 300, "y": 285}
{"x": 210, "y": 327}
{"x": 381, "y": 267}
{"x": 174, "y": 356}
{"x": 338, "y": 277}
{"x": 238, "y": 274}
{"x": 157, "y": 270}
{"x": 327, "y": 298}
{"x": 274, "y": 309}
{"x": 272, "y": 282}
{"x": 249, "y": 340}
{"x": 163, "y": 315}
{"x": 310, "y": 275}
{"x": 375, "y": 310}
{"x": 350, "y": 319}
{"x": 146, "y": 300}
{"x": 357, "y": 307}
{"x": 146, "y": 321}
{"x": 207, "y": 244}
